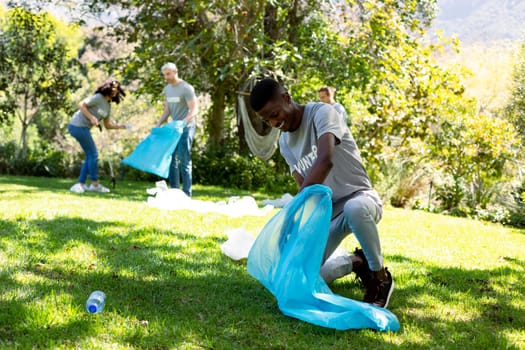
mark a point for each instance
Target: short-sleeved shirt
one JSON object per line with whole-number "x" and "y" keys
{"x": 348, "y": 176}
{"x": 341, "y": 110}
{"x": 177, "y": 96}
{"x": 96, "y": 105}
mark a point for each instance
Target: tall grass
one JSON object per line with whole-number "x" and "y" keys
{"x": 459, "y": 283}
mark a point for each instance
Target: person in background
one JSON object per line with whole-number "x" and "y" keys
{"x": 181, "y": 103}
{"x": 319, "y": 149}
{"x": 93, "y": 111}
{"x": 327, "y": 95}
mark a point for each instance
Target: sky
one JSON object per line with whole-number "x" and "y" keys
{"x": 464, "y": 18}
{"x": 68, "y": 13}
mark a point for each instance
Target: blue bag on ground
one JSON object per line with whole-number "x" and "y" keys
{"x": 286, "y": 258}
{"x": 153, "y": 154}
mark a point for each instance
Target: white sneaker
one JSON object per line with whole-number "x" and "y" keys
{"x": 98, "y": 188}
{"x": 78, "y": 188}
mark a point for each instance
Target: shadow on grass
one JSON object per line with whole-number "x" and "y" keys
{"x": 174, "y": 289}
{"x": 476, "y": 307}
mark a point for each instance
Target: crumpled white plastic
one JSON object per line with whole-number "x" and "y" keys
{"x": 238, "y": 244}
{"x": 176, "y": 199}
{"x": 279, "y": 202}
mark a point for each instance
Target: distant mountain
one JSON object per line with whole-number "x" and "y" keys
{"x": 482, "y": 20}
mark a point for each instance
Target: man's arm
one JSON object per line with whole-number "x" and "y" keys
{"x": 298, "y": 178}
{"x": 164, "y": 115}
{"x": 193, "y": 109}
{"x": 323, "y": 164}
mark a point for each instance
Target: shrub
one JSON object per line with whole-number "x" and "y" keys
{"x": 514, "y": 205}
{"x": 41, "y": 161}
{"x": 7, "y": 155}
{"x": 227, "y": 169}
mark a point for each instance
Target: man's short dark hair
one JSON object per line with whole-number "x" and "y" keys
{"x": 325, "y": 89}
{"x": 263, "y": 92}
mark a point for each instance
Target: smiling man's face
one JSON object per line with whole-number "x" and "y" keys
{"x": 278, "y": 112}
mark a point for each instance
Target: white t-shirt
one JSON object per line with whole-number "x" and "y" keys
{"x": 348, "y": 176}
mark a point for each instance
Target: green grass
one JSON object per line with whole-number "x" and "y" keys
{"x": 459, "y": 283}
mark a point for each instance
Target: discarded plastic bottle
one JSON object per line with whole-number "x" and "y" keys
{"x": 96, "y": 302}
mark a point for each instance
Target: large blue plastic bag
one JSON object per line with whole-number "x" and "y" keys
{"x": 286, "y": 258}
{"x": 153, "y": 154}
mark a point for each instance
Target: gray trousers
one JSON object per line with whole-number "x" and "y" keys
{"x": 360, "y": 217}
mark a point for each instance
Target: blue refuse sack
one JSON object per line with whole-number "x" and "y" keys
{"x": 286, "y": 258}
{"x": 153, "y": 154}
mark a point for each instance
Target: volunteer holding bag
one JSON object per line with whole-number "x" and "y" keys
{"x": 181, "y": 104}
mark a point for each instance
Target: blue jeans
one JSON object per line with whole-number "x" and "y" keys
{"x": 90, "y": 165}
{"x": 182, "y": 154}
{"x": 360, "y": 217}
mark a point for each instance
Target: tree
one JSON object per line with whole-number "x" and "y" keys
{"x": 36, "y": 69}
{"x": 394, "y": 85}
{"x": 217, "y": 45}
{"x": 515, "y": 109}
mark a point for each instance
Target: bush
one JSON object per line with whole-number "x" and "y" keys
{"x": 514, "y": 205}
{"x": 219, "y": 168}
{"x": 401, "y": 181}
{"x": 42, "y": 161}
{"x": 7, "y": 155}
{"x": 227, "y": 169}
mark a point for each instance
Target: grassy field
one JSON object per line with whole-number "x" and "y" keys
{"x": 459, "y": 283}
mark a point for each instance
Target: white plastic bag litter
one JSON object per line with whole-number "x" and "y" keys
{"x": 238, "y": 244}
{"x": 175, "y": 199}
{"x": 279, "y": 202}
{"x": 160, "y": 186}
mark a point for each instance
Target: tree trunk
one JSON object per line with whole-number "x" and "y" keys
{"x": 215, "y": 123}
{"x": 25, "y": 125}
{"x": 243, "y": 146}
{"x": 294, "y": 20}
{"x": 270, "y": 23}
{"x": 23, "y": 141}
